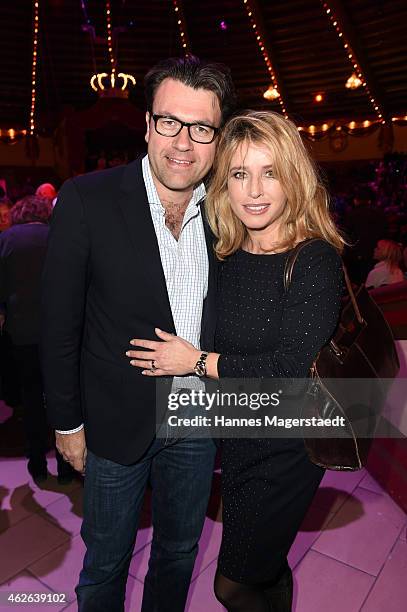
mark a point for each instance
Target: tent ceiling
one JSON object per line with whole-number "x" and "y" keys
{"x": 308, "y": 54}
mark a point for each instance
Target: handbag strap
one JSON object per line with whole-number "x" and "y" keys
{"x": 289, "y": 267}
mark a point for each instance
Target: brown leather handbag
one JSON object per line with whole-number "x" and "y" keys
{"x": 349, "y": 378}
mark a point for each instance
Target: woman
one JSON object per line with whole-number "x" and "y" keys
{"x": 263, "y": 200}
{"x": 389, "y": 257}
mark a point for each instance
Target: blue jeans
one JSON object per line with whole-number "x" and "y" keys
{"x": 180, "y": 473}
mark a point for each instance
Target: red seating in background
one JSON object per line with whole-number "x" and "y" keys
{"x": 388, "y": 457}
{"x": 392, "y": 300}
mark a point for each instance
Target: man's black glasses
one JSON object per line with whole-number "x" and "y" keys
{"x": 170, "y": 127}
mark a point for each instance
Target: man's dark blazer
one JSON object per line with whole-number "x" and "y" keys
{"x": 103, "y": 284}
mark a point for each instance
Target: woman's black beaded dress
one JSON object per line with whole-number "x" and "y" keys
{"x": 263, "y": 332}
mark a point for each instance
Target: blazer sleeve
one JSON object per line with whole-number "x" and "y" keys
{"x": 63, "y": 299}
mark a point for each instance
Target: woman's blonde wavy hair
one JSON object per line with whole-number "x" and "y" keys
{"x": 306, "y": 214}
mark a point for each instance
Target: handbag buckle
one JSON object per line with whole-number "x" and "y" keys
{"x": 339, "y": 352}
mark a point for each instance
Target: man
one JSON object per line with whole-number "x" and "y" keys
{"x": 129, "y": 251}
{"x": 46, "y": 191}
{"x": 22, "y": 253}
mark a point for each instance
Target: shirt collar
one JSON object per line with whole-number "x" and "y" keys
{"x": 198, "y": 194}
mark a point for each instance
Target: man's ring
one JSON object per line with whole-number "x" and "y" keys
{"x": 153, "y": 365}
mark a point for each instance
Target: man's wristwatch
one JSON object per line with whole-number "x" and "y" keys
{"x": 200, "y": 367}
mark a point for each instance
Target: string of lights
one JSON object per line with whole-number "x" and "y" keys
{"x": 358, "y": 74}
{"x": 110, "y": 42}
{"x": 350, "y": 127}
{"x": 273, "y": 92}
{"x": 13, "y": 135}
{"x": 357, "y": 79}
{"x": 36, "y": 23}
{"x": 182, "y": 26}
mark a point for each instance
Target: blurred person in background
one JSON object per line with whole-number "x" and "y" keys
{"x": 22, "y": 253}
{"x": 364, "y": 225}
{"x": 389, "y": 257}
{"x": 5, "y": 215}
{"x": 46, "y": 191}
{"x": 9, "y": 385}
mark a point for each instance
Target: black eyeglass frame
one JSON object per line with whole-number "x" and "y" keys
{"x": 187, "y": 125}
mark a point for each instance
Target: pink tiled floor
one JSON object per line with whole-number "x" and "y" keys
{"x": 350, "y": 555}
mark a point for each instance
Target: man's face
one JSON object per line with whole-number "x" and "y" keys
{"x": 179, "y": 163}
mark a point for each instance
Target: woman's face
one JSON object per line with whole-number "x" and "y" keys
{"x": 256, "y": 197}
{"x": 378, "y": 253}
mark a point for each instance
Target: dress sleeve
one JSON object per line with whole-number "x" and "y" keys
{"x": 310, "y": 315}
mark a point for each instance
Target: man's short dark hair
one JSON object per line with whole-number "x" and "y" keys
{"x": 195, "y": 73}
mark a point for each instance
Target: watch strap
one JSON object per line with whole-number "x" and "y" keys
{"x": 200, "y": 366}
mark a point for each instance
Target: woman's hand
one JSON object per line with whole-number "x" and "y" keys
{"x": 172, "y": 357}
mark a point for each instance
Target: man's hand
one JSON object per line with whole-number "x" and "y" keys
{"x": 2, "y": 321}
{"x": 73, "y": 449}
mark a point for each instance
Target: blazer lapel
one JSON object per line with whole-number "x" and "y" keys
{"x": 136, "y": 212}
{"x": 209, "y": 314}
